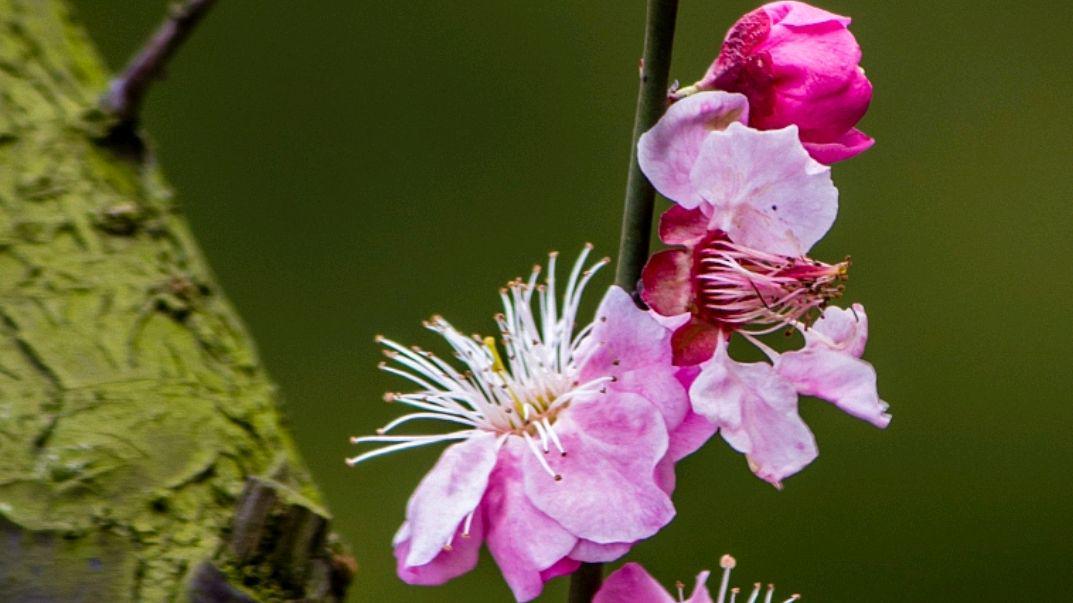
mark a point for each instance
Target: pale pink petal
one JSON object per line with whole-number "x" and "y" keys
{"x": 460, "y": 558}
{"x": 522, "y": 539}
{"x": 624, "y": 337}
{"x": 628, "y": 345}
{"x": 700, "y": 590}
{"x": 765, "y": 190}
{"x": 829, "y": 367}
{"x": 666, "y": 153}
{"x": 665, "y": 282}
{"x": 447, "y": 494}
{"x": 694, "y": 430}
{"x": 631, "y": 584}
{"x": 665, "y": 476}
{"x": 671, "y": 323}
{"x": 681, "y": 226}
{"x": 592, "y": 552}
{"x": 658, "y": 385}
{"x": 607, "y": 491}
{"x": 756, "y": 411}
{"x": 845, "y": 380}
{"x": 844, "y": 329}
{"x": 686, "y": 439}
{"x": 853, "y": 142}
{"x": 402, "y": 534}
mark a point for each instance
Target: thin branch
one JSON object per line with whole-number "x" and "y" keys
{"x": 640, "y": 198}
{"x": 125, "y": 93}
{"x": 651, "y": 102}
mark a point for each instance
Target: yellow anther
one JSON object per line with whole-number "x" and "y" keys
{"x": 497, "y": 361}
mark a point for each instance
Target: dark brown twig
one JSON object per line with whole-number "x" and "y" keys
{"x": 126, "y": 92}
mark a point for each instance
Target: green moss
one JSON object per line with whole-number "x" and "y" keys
{"x": 133, "y": 408}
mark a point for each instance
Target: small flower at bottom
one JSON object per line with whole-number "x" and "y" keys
{"x": 632, "y": 584}
{"x": 567, "y": 442}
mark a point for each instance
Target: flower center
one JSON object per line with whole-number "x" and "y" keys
{"x": 736, "y": 286}
{"x": 517, "y": 393}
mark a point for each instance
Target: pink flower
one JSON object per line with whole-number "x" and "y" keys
{"x": 566, "y": 440}
{"x": 759, "y": 187}
{"x": 752, "y": 204}
{"x": 800, "y": 65}
{"x": 632, "y": 584}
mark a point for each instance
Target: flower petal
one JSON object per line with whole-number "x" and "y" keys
{"x": 756, "y": 412}
{"x": 681, "y": 226}
{"x": 846, "y": 329}
{"x": 693, "y": 342}
{"x": 666, "y": 153}
{"x": 845, "y": 380}
{"x": 665, "y": 282}
{"x": 631, "y": 584}
{"x": 694, "y": 430}
{"x": 687, "y": 438}
{"x": 850, "y": 144}
{"x": 447, "y": 494}
{"x": 562, "y": 567}
{"x": 624, "y": 337}
{"x": 765, "y": 190}
{"x": 700, "y": 590}
{"x": 633, "y": 348}
{"x": 522, "y": 539}
{"x": 459, "y": 559}
{"x": 799, "y": 15}
{"x": 608, "y": 491}
{"x": 592, "y": 552}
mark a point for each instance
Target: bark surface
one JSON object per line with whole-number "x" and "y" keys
{"x": 142, "y": 451}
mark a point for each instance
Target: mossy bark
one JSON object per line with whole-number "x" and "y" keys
{"x": 142, "y": 451}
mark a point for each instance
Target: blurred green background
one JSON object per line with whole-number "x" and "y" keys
{"x": 352, "y": 167}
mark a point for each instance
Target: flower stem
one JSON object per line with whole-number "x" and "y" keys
{"x": 640, "y": 198}
{"x": 585, "y": 582}
{"x": 651, "y": 102}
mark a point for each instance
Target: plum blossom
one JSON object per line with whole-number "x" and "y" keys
{"x": 750, "y": 204}
{"x": 565, "y": 439}
{"x": 799, "y": 65}
{"x": 632, "y": 584}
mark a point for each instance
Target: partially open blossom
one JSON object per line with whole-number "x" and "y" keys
{"x": 799, "y": 65}
{"x": 632, "y": 584}
{"x": 749, "y": 206}
{"x": 565, "y": 438}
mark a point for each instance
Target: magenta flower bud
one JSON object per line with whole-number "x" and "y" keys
{"x": 799, "y": 65}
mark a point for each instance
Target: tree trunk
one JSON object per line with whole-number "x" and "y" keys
{"x": 143, "y": 454}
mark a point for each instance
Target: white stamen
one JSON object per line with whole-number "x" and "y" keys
{"x": 727, "y": 563}
{"x": 517, "y": 394}
{"x": 467, "y": 525}
{"x": 540, "y": 457}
